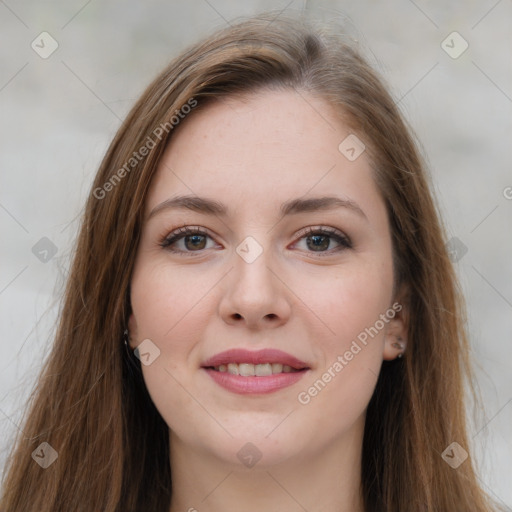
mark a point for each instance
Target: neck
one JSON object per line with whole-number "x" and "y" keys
{"x": 328, "y": 481}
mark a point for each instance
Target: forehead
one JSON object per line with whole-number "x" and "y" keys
{"x": 259, "y": 150}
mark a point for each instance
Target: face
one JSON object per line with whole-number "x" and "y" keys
{"x": 300, "y": 289}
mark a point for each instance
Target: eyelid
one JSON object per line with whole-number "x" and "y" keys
{"x": 324, "y": 230}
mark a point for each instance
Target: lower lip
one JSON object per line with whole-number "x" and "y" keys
{"x": 254, "y": 385}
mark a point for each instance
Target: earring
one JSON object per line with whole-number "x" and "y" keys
{"x": 399, "y": 346}
{"x": 133, "y": 366}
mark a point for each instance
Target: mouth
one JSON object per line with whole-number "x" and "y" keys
{"x": 254, "y": 372}
{"x": 250, "y": 363}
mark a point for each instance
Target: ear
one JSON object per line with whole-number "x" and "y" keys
{"x": 132, "y": 332}
{"x": 395, "y": 339}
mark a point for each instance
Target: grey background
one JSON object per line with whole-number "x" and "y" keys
{"x": 59, "y": 114}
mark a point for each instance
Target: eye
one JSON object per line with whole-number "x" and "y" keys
{"x": 194, "y": 239}
{"x": 321, "y": 239}
{"x": 186, "y": 240}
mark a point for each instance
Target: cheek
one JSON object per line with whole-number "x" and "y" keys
{"x": 164, "y": 299}
{"x": 174, "y": 307}
{"x": 351, "y": 307}
{"x": 168, "y": 310}
{"x": 347, "y": 300}
{"x": 172, "y": 393}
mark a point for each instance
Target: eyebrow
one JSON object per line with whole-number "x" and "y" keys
{"x": 295, "y": 206}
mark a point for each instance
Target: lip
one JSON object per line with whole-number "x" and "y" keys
{"x": 255, "y": 385}
{"x": 268, "y": 355}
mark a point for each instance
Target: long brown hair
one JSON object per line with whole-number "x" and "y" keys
{"x": 91, "y": 404}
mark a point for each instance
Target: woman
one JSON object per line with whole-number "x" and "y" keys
{"x": 261, "y": 313}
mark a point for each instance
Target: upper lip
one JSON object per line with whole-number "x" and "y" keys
{"x": 268, "y": 355}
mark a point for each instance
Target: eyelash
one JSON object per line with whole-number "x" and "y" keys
{"x": 182, "y": 232}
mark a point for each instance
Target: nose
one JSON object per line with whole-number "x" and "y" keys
{"x": 255, "y": 295}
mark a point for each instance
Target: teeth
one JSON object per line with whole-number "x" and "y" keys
{"x": 261, "y": 370}
{"x": 277, "y": 367}
{"x": 233, "y": 369}
{"x": 258, "y": 370}
{"x": 246, "y": 370}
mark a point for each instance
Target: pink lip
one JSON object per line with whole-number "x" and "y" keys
{"x": 268, "y": 355}
{"x": 254, "y": 385}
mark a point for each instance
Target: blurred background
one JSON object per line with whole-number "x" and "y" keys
{"x": 70, "y": 71}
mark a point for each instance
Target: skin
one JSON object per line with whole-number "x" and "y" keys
{"x": 253, "y": 153}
